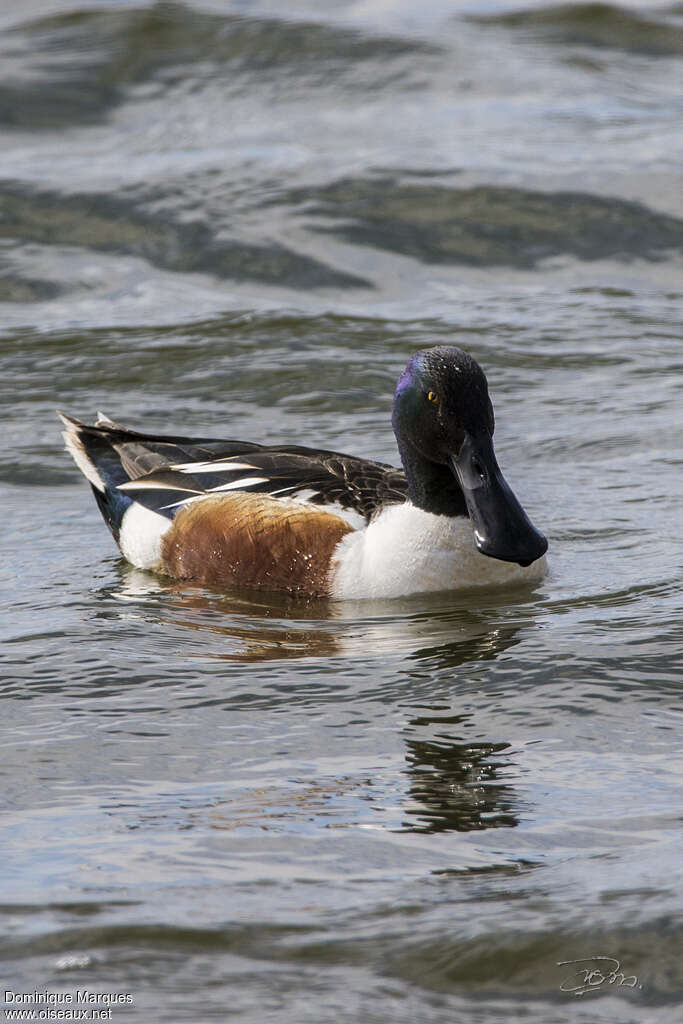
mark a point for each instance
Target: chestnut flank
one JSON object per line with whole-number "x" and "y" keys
{"x": 252, "y": 540}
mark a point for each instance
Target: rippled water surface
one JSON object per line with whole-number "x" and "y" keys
{"x": 239, "y": 219}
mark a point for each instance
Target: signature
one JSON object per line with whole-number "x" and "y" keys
{"x": 592, "y": 972}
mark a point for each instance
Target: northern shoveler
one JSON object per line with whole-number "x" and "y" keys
{"x": 316, "y": 522}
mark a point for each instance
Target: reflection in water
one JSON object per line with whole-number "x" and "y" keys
{"x": 485, "y": 647}
{"x": 438, "y": 630}
{"x": 454, "y": 784}
{"x": 254, "y": 645}
{"x": 454, "y": 787}
{"x": 250, "y": 626}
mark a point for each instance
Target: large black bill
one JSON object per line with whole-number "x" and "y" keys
{"x": 502, "y": 528}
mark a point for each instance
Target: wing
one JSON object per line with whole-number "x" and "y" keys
{"x": 164, "y": 473}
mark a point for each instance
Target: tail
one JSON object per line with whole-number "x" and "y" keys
{"x": 93, "y": 452}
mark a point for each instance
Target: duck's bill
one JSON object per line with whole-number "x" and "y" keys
{"x": 502, "y": 528}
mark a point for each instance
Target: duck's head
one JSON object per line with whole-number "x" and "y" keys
{"x": 443, "y": 421}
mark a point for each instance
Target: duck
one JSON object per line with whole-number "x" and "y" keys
{"x": 319, "y": 523}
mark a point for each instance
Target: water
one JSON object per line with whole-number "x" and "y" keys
{"x": 217, "y": 219}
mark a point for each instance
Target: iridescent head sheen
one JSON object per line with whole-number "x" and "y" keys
{"x": 443, "y": 420}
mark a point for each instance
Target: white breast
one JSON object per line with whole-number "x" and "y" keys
{"x": 408, "y": 551}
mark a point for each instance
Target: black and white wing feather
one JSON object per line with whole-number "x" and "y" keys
{"x": 164, "y": 473}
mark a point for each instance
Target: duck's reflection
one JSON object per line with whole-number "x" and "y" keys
{"x": 249, "y": 626}
{"x": 438, "y": 630}
{"x": 482, "y": 646}
{"x": 456, "y": 782}
{"x": 455, "y": 787}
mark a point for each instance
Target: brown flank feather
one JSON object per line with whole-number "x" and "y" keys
{"x": 252, "y": 540}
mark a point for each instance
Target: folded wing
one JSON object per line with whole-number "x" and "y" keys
{"x": 166, "y": 473}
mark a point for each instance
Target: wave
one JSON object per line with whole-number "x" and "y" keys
{"x": 604, "y": 26}
{"x": 107, "y": 223}
{"x": 487, "y": 225}
{"x": 74, "y": 68}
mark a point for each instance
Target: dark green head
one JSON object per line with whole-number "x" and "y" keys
{"x": 443, "y": 421}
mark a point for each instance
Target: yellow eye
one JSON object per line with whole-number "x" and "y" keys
{"x": 433, "y": 397}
